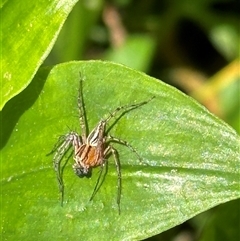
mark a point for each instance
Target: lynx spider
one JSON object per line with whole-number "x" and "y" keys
{"x": 91, "y": 150}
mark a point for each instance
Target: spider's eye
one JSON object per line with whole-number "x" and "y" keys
{"x": 82, "y": 171}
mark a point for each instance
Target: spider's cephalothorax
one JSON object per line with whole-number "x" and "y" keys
{"x": 91, "y": 150}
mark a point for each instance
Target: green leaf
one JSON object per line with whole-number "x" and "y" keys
{"x": 28, "y": 32}
{"x": 190, "y": 157}
{"x": 71, "y": 42}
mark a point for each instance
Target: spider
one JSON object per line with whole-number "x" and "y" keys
{"x": 93, "y": 149}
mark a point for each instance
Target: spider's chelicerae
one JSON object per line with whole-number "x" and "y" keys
{"x": 91, "y": 150}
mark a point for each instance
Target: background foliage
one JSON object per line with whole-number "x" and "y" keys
{"x": 194, "y": 47}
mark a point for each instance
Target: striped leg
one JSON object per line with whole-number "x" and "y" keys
{"x": 125, "y": 143}
{"x": 62, "y": 147}
{"x": 118, "y": 168}
{"x": 82, "y": 111}
{"x": 126, "y": 108}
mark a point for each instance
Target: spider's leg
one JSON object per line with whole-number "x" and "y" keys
{"x": 61, "y": 150}
{"x": 82, "y": 111}
{"x": 99, "y": 183}
{"x": 125, "y": 143}
{"x": 60, "y": 141}
{"x": 69, "y": 139}
{"x": 60, "y": 178}
{"x": 57, "y": 159}
{"x": 126, "y": 108}
{"x": 118, "y": 168}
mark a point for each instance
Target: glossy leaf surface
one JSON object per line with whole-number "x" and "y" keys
{"x": 190, "y": 157}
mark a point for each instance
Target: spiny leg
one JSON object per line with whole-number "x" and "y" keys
{"x": 61, "y": 149}
{"x": 82, "y": 112}
{"x": 97, "y": 134}
{"x": 63, "y": 146}
{"x": 60, "y": 178}
{"x": 126, "y": 108}
{"x": 118, "y": 167}
{"x": 118, "y": 164}
{"x": 57, "y": 159}
{"x": 125, "y": 143}
{"x": 59, "y": 143}
{"x": 98, "y": 183}
{"x": 105, "y": 164}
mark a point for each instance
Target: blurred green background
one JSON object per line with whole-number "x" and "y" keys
{"x": 192, "y": 45}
